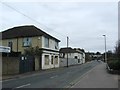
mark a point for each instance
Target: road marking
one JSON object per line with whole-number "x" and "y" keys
{"x": 68, "y": 72}
{"x": 23, "y": 85}
{"x": 54, "y": 76}
{"x": 72, "y": 84}
{"x": 7, "y": 80}
{"x": 78, "y": 80}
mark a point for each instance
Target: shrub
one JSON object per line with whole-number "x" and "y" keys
{"x": 114, "y": 64}
{"x": 32, "y": 51}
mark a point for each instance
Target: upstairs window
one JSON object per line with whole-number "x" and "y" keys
{"x": 56, "y": 45}
{"x": 46, "y": 42}
{"x": 27, "y": 42}
{"x": 10, "y": 44}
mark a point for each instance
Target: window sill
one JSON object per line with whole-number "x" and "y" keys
{"x": 25, "y": 46}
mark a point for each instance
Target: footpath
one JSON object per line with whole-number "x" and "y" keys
{"x": 98, "y": 77}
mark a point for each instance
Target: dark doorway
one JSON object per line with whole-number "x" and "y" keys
{"x": 40, "y": 62}
{"x": 27, "y": 64}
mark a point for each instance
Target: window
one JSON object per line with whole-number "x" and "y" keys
{"x": 46, "y": 59}
{"x": 10, "y": 44}
{"x": 52, "y": 59}
{"x": 56, "y": 59}
{"x": 26, "y": 42}
{"x": 78, "y": 60}
{"x": 63, "y": 55}
{"x": 47, "y": 42}
{"x": 56, "y": 45}
{"x": 75, "y": 57}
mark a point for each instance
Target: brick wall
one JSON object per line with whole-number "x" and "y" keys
{"x": 10, "y": 65}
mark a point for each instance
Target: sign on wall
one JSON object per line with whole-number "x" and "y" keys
{"x": 5, "y": 49}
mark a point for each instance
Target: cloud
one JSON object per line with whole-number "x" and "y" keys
{"x": 84, "y": 23}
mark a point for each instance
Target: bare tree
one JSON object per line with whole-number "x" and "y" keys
{"x": 117, "y": 49}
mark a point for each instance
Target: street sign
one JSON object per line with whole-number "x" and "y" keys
{"x": 5, "y": 49}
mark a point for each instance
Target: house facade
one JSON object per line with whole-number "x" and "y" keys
{"x": 75, "y": 56}
{"x": 23, "y": 37}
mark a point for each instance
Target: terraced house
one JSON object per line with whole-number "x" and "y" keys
{"x": 23, "y": 37}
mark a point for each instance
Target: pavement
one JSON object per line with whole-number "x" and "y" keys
{"x": 98, "y": 77}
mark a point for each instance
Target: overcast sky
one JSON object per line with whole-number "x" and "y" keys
{"x": 83, "y": 22}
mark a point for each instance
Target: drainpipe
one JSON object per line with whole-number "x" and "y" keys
{"x": 17, "y": 44}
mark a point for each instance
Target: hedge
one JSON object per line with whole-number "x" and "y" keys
{"x": 114, "y": 64}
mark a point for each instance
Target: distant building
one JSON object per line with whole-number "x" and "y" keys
{"x": 75, "y": 56}
{"x": 93, "y": 56}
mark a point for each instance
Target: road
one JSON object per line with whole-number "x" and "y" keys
{"x": 56, "y": 78}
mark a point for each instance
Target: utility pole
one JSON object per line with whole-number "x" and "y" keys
{"x": 67, "y": 48}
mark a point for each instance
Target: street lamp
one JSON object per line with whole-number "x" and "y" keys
{"x": 105, "y": 49}
{"x": 67, "y": 48}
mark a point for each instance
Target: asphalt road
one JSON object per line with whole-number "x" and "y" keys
{"x": 56, "y": 78}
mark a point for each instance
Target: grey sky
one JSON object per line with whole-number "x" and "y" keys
{"x": 83, "y": 22}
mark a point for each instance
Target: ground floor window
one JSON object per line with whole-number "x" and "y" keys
{"x": 46, "y": 59}
{"x": 56, "y": 59}
{"x": 52, "y": 59}
{"x": 78, "y": 60}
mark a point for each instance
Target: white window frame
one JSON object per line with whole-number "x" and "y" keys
{"x": 56, "y": 45}
{"x": 46, "y": 42}
{"x": 46, "y": 60}
{"x": 27, "y": 42}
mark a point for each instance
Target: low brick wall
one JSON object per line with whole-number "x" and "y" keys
{"x": 10, "y": 65}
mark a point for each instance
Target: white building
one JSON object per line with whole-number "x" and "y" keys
{"x": 50, "y": 53}
{"x": 75, "y": 56}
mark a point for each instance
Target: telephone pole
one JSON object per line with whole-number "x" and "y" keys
{"x": 67, "y": 48}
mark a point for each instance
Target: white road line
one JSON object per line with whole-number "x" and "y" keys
{"x": 68, "y": 72}
{"x": 23, "y": 85}
{"x": 7, "y": 80}
{"x": 75, "y": 83}
{"x": 54, "y": 76}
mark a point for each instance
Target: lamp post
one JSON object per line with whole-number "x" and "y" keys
{"x": 67, "y": 48}
{"x": 105, "y": 49}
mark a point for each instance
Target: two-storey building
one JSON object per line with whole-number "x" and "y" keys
{"x": 22, "y": 37}
{"x": 74, "y": 56}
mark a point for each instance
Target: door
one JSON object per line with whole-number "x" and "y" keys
{"x": 27, "y": 64}
{"x": 40, "y": 62}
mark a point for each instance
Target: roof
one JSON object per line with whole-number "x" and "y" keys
{"x": 68, "y": 50}
{"x": 25, "y": 31}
